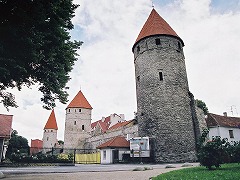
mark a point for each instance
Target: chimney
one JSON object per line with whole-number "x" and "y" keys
{"x": 225, "y": 114}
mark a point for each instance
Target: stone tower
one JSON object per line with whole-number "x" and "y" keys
{"x": 50, "y": 132}
{"x": 78, "y": 122}
{"x": 163, "y": 97}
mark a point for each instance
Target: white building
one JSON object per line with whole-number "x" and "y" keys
{"x": 223, "y": 126}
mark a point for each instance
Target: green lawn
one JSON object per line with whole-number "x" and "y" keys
{"x": 226, "y": 171}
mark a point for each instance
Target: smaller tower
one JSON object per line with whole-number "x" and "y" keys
{"x": 78, "y": 122}
{"x": 50, "y": 132}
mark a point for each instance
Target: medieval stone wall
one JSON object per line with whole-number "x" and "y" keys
{"x": 163, "y": 102}
{"x": 77, "y": 127}
{"x": 49, "y": 138}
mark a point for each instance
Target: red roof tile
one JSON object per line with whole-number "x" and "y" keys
{"x": 104, "y": 125}
{"x": 51, "y": 123}
{"x": 120, "y": 124}
{"x": 118, "y": 141}
{"x": 5, "y": 125}
{"x": 155, "y": 25}
{"x": 79, "y": 101}
{"x": 223, "y": 121}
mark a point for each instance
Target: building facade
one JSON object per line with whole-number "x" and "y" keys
{"x": 163, "y": 99}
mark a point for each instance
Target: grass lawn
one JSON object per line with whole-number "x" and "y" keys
{"x": 226, "y": 171}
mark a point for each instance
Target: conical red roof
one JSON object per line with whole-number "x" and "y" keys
{"x": 79, "y": 101}
{"x": 51, "y": 123}
{"x": 155, "y": 25}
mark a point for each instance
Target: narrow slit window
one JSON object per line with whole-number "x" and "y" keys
{"x": 138, "y": 78}
{"x": 75, "y": 122}
{"x": 82, "y": 127}
{"x": 157, "y": 41}
{"x": 179, "y": 46}
{"x": 160, "y": 76}
{"x": 138, "y": 49}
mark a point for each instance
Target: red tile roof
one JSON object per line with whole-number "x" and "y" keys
{"x": 120, "y": 124}
{"x": 118, "y": 141}
{"x": 223, "y": 121}
{"x": 104, "y": 125}
{"x": 5, "y": 125}
{"x": 155, "y": 25}
{"x": 51, "y": 123}
{"x": 79, "y": 101}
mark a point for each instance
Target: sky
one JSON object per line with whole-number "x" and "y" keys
{"x": 105, "y": 70}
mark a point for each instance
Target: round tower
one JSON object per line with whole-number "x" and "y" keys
{"x": 50, "y": 132}
{"x": 163, "y": 102}
{"x": 78, "y": 122}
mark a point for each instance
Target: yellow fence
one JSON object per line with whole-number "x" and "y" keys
{"x": 93, "y": 158}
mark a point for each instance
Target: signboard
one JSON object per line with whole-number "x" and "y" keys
{"x": 139, "y": 147}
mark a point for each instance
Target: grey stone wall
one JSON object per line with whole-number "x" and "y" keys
{"x": 164, "y": 111}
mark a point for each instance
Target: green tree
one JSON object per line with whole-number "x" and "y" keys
{"x": 17, "y": 144}
{"x": 202, "y": 105}
{"x": 35, "y": 48}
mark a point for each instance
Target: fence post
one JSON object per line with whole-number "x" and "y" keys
{"x": 74, "y": 156}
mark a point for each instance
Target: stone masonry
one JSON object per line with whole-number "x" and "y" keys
{"x": 163, "y": 102}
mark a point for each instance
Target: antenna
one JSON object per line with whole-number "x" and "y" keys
{"x": 152, "y": 4}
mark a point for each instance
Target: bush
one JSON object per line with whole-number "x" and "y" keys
{"x": 217, "y": 151}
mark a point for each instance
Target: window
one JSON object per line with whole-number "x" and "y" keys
{"x": 82, "y": 127}
{"x": 80, "y": 110}
{"x": 75, "y": 122}
{"x": 51, "y": 130}
{"x": 104, "y": 155}
{"x": 47, "y": 138}
{"x": 138, "y": 49}
{"x": 231, "y": 134}
{"x": 68, "y": 110}
{"x": 160, "y": 76}
{"x": 157, "y": 41}
{"x": 179, "y": 46}
{"x": 138, "y": 78}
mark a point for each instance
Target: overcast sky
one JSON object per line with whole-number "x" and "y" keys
{"x": 105, "y": 69}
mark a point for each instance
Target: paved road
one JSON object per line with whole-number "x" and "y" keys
{"x": 88, "y": 171}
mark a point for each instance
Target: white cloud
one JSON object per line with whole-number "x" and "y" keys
{"x": 105, "y": 70}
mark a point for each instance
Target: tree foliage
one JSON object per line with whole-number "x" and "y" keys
{"x": 202, "y": 105}
{"x": 17, "y": 144}
{"x": 35, "y": 48}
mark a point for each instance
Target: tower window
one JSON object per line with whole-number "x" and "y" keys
{"x": 179, "y": 46}
{"x": 138, "y": 78}
{"x": 160, "y": 76}
{"x": 80, "y": 110}
{"x": 138, "y": 49}
{"x": 231, "y": 134}
{"x": 75, "y": 122}
{"x": 157, "y": 41}
{"x": 82, "y": 127}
